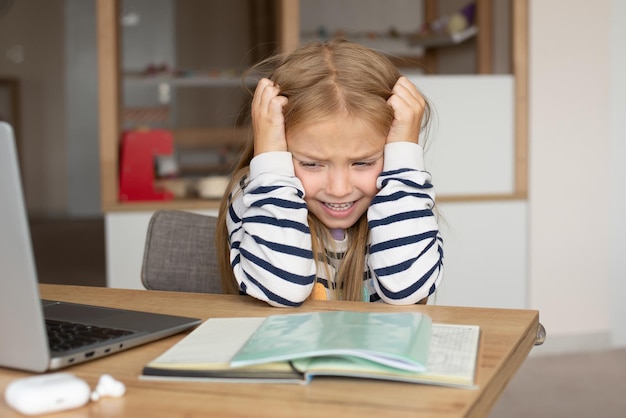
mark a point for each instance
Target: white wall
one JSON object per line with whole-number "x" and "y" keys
{"x": 617, "y": 173}
{"x": 571, "y": 190}
{"x": 486, "y": 254}
{"x": 470, "y": 148}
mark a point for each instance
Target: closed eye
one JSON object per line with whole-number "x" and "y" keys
{"x": 309, "y": 164}
{"x": 364, "y": 163}
{"x": 367, "y": 163}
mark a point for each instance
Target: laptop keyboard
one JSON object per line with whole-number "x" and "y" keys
{"x": 63, "y": 336}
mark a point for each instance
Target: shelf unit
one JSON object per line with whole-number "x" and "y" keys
{"x": 407, "y": 49}
{"x": 288, "y": 36}
{"x": 110, "y": 104}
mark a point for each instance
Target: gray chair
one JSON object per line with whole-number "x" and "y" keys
{"x": 180, "y": 254}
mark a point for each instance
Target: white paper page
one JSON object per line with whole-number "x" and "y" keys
{"x": 453, "y": 350}
{"x": 215, "y": 341}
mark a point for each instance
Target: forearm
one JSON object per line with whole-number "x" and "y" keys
{"x": 270, "y": 240}
{"x": 406, "y": 251}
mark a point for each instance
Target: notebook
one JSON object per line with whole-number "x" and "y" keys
{"x": 23, "y": 330}
{"x": 297, "y": 348}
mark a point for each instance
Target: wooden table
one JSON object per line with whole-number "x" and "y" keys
{"x": 507, "y": 338}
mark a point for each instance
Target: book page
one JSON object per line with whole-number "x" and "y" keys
{"x": 453, "y": 350}
{"x": 398, "y": 339}
{"x": 451, "y": 361}
{"x": 214, "y": 342}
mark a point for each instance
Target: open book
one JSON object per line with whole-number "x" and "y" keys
{"x": 293, "y": 348}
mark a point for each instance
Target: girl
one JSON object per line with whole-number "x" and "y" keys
{"x": 330, "y": 199}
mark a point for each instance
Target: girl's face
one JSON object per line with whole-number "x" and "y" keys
{"x": 338, "y": 161}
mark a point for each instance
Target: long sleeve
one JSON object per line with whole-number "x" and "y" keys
{"x": 406, "y": 251}
{"x": 270, "y": 241}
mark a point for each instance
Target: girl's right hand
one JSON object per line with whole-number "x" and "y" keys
{"x": 268, "y": 121}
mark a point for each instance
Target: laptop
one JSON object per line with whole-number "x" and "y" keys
{"x": 33, "y": 330}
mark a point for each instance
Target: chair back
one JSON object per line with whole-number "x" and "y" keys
{"x": 180, "y": 253}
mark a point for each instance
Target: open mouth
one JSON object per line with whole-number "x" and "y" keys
{"x": 339, "y": 206}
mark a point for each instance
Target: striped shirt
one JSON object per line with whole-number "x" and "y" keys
{"x": 270, "y": 242}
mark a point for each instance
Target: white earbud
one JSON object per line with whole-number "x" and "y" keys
{"x": 108, "y": 386}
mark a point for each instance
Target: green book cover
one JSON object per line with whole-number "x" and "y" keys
{"x": 398, "y": 340}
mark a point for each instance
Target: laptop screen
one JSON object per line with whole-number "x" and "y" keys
{"x": 25, "y": 344}
{"x": 20, "y": 305}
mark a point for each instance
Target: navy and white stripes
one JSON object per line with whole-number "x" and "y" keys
{"x": 406, "y": 251}
{"x": 270, "y": 241}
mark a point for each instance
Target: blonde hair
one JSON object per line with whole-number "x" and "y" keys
{"x": 321, "y": 80}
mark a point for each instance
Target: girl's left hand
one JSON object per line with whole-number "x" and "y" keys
{"x": 408, "y": 107}
{"x": 268, "y": 121}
